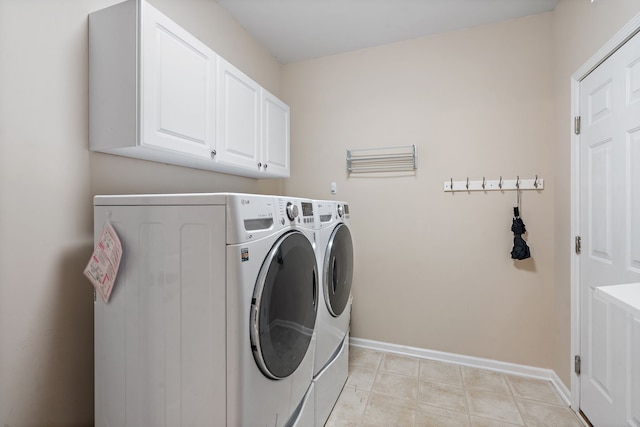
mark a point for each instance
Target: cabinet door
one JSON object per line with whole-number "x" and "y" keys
{"x": 238, "y": 113}
{"x": 177, "y": 87}
{"x": 275, "y": 135}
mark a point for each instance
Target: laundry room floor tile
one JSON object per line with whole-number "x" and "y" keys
{"x": 443, "y": 396}
{"x": 385, "y": 389}
{"x": 350, "y": 406}
{"x": 441, "y": 372}
{"x": 383, "y": 412}
{"x": 396, "y": 385}
{"x": 429, "y": 416}
{"x": 483, "y": 379}
{"x": 540, "y": 414}
{"x": 361, "y": 378}
{"x": 403, "y": 365}
{"x": 364, "y": 358}
{"x": 530, "y": 388}
{"x": 496, "y": 406}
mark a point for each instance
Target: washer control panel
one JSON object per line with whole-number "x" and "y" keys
{"x": 295, "y": 211}
{"x": 292, "y": 211}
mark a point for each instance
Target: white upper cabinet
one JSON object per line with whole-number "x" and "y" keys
{"x": 178, "y": 87}
{"x": 153, "y": 94}
{"x": 152, "y": 86}
{"x": 253, "y": 125}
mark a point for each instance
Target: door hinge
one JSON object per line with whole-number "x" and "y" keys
{"x": 578, "y": 245}
{"x": 576, "y": 364}
{"x": 576, "y": 125}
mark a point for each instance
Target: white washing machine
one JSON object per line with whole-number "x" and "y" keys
{"x": 211, "y": 320}
{"x": 278, "y": 309}
{"x": 335, "y": 260}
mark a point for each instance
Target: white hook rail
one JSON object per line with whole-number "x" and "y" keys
{"x": 494, "y": 185}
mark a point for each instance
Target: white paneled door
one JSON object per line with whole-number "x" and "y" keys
{"x": 610, "y": 230}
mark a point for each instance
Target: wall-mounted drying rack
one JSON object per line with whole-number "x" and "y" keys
{"x": 384, "y": 159}
{"x": 494, "y": 185}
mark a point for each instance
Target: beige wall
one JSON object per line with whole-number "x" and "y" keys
{"x": 580, "y": 29}
{"x": 433, "y": 269}
{"x": 47, "y": 180}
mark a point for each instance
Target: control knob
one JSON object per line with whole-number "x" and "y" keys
{"x": 340, "y": 211}
{"x": 292, "y": 211}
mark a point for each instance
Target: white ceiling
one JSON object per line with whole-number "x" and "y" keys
{"x": 294, "y": 30}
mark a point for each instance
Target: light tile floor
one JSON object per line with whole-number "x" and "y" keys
{"x": 385, "y": 389}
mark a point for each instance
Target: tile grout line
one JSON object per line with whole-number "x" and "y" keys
{"x": 466, "y": 397}
{"x": 370, "y": 393}
{"x": 515, "y": 400}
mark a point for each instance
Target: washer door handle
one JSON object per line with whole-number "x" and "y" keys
{"x": 334, "y": 279}
{"x": 315, "y": 287}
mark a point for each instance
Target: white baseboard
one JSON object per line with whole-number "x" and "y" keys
{"x": 475, "y": 362}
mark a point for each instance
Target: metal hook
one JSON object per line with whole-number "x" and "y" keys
{"x": 483, "y": 182}
{"x": 500, "y": 182}
{"x": 518, "y": 182}
{"x": 467, "y": 183}
{"x": 535, "y": 182}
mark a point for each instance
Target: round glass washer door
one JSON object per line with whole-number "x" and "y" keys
{"x": 338, "y": 270}
{"x": 284, "y": 306}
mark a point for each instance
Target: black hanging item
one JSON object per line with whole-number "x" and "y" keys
{"x": 520, "y": 249}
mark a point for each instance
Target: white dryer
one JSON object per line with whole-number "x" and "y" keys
{"x": 211, "y": 320}
{"x": 335, "y": 260}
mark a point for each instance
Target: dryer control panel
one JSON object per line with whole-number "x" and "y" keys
{"x": 343, "y": 210}
{"x": 295, "y": 211}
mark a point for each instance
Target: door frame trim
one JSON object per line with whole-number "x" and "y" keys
{"x": 620, "y": 38}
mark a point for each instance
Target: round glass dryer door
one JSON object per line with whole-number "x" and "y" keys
{"x": 338, "y": 270}
{"x": 283, "y": 308}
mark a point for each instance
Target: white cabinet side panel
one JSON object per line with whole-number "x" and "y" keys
{"x": 113, "y": 101}
{"x": 164, "y": 359}
{"x": 152, "y": 339}
{"x": 110, "y": 355}
{"x": 203, "y": 327}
